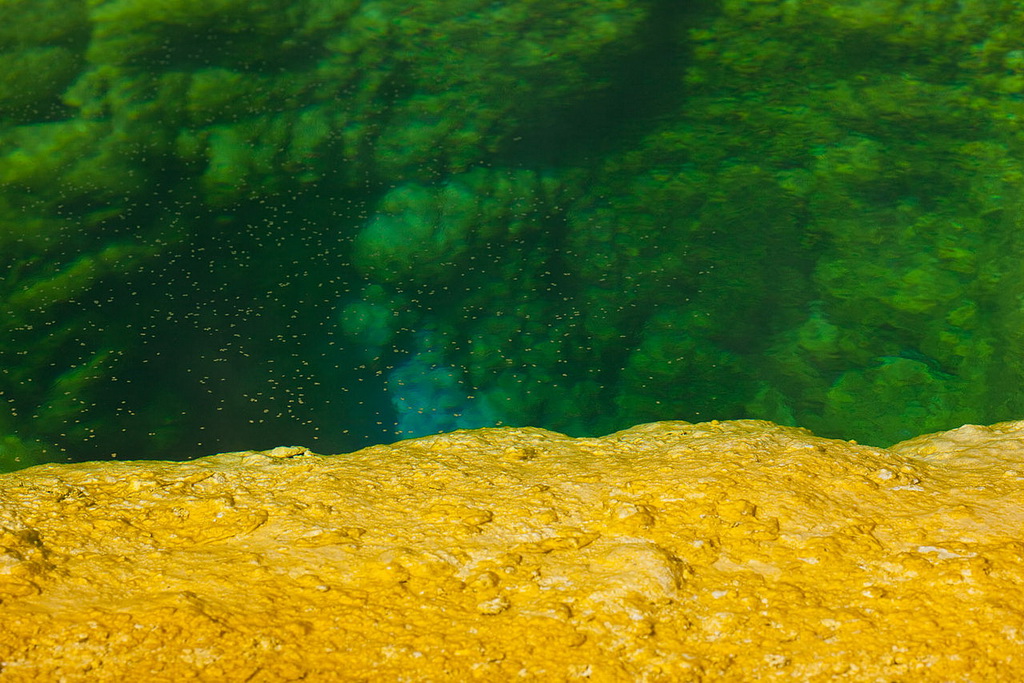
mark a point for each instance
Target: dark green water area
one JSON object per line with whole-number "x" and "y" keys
{"x": 239, "y": 224}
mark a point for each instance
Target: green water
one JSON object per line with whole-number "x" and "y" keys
{"x": 239, "y": 224}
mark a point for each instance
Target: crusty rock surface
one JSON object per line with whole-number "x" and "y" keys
{"x": 733, "y": 551}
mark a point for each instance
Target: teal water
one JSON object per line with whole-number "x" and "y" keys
{"x": 238, "y": 224}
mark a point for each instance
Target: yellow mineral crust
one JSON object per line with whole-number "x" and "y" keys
{"x": 733, "y": 551}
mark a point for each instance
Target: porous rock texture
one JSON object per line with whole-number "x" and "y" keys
{"x": 732, "y": 551}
